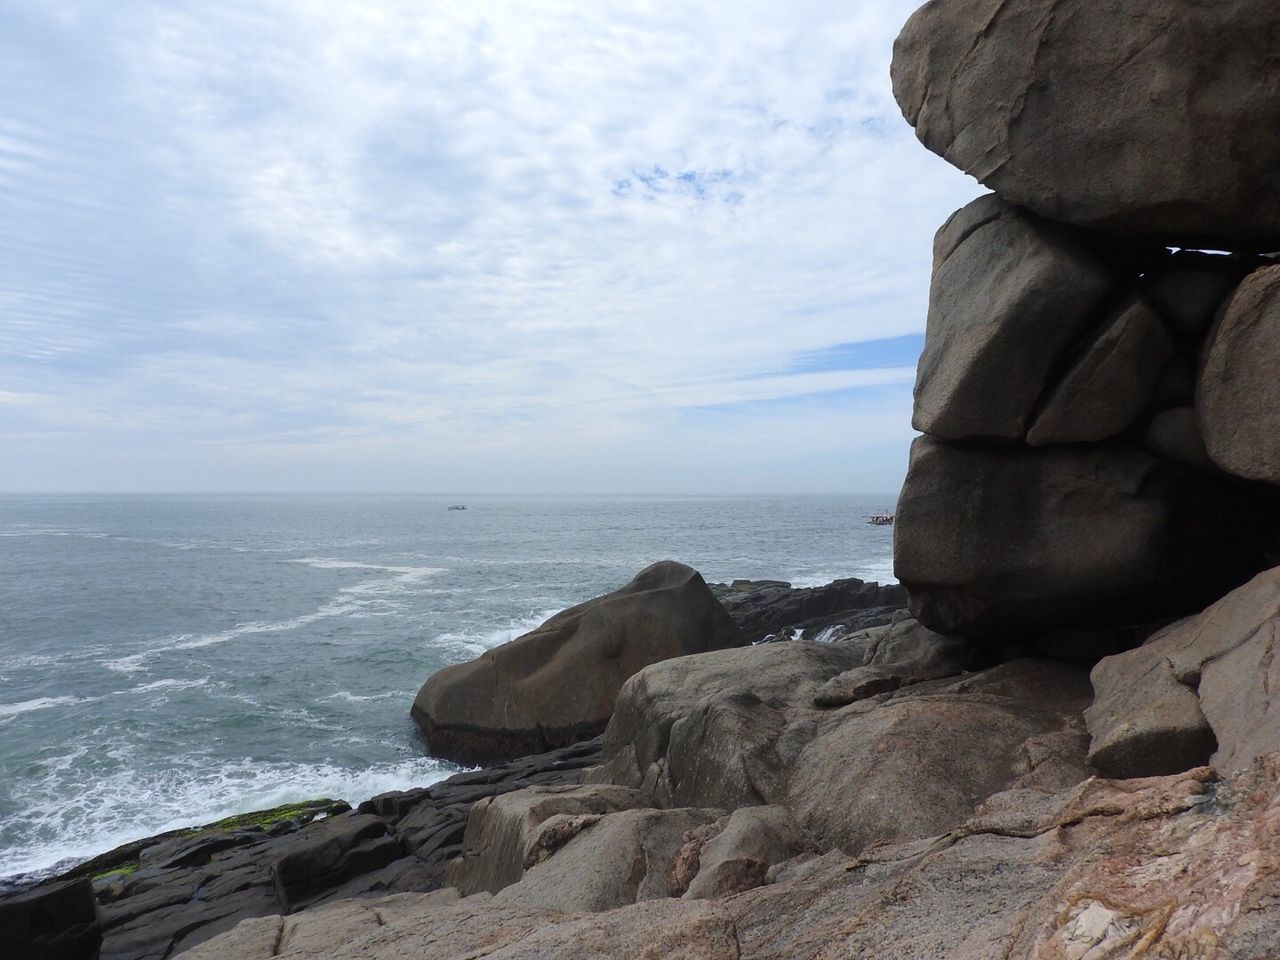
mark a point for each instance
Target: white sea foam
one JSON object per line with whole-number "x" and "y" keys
{"x": 42, "y": 703}
{"x": 108, "y": 810}
{"x": 476, "y": 642}
{"x": 171, "y": 684}
{"x": 355, "y": 599}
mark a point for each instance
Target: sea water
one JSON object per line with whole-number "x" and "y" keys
{"x": 167, "y": 661}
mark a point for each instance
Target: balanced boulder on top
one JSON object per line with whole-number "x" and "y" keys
{"x": 556, "y": 685}
{"x": 1154, "y": 117}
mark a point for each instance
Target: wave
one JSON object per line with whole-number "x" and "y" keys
{"x": 106, "y": 811}
{"x": 42, "y": 703}
{"x": 354, "y": 599}
{"x": 475, "y": 642}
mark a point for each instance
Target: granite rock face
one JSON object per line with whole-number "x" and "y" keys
{"x": 1183, "y": 866}
{"x": 1147, "y": 118}
{"x": 1001, "y": 540}
{"x": 1238, "y": 398}
{"x": 1204, "y": 690}
{"x": 1010, "y": 294}
{"x": 1111, "y": 384}
{"x": 740, "y": 728}
{"x": 511, "y": 700}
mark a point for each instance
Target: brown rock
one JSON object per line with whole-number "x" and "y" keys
{"x": 1149, "y": 118}
{"x": 503, "y": 831}
{"x": 1010, "y": 294}
{"x": 1175, "y": 867}
{"x": 620, "y": 858}
{"x": 511, "y": 700}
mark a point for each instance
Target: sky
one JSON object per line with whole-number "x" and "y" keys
{"x": 475, "y": 246}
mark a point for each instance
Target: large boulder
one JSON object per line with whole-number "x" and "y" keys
{"x": 512, "y": 700}
{"x": 1239, "y": 395}
{"x": 1010, "y": 294}
{"x": 1204, "y": 690}
{"x": 1150, "y": 118}
{"x": 1002, "y": 541}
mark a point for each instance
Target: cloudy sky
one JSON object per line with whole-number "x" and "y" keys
{"x": 473, "y": 246}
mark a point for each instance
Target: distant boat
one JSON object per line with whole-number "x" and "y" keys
{"x": 457, "y": 506}
{"x": 881, "y": 519}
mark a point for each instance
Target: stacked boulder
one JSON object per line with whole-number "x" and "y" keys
{"x": 1097, "y": 394}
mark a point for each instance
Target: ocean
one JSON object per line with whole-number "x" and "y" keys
{"x": 167, "y": 661}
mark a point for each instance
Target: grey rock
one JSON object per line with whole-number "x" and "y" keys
{"x": 1203, "y": 690}
{"x": 1010, "y": 294}
{"x": 51, "y": 922}
{"x": 1149, "y": 118}
{"x": 771, "y": 607}
{"x": 1175, "y": 434}
{"x": 1189, "y": 288}
{"x": 510, "y": 701}
{"x": 1109, "y": 386}
{"x": 1237, "y": 399}
{"x": 1003, "y": 541}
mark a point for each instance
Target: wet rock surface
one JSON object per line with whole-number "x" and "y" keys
{"x": 177, "y": 891}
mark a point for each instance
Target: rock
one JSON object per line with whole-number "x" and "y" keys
{"x": 738, "y": 728}
{"x": 735, "y": 853}
{"x": 1109, "y": 386}
{"x": 176, "y": 890}
{"x": 1173, "y": 101}
{"x": 502, "y": 830}
{"x": 703, "y": 731}
{"x": 859, "y": 684}
{"x": 1183, "y": 866}
{"x": 510, "y": 701}
{"x": 1188, "y": 289}
{"x": 617, "y": 859}
{"x": 1000, "y": 541}
{"x": 1237, "y": 398}
{"x": 1199, "y": 691}
{"x": 1175, "y": 434}
{"x": 51, "y": 922}
{"x": 770, "y": 607}
{"x": 919, "y": 761}
{"x": 1010, "y": 295}
{"x": 333, "y": 852}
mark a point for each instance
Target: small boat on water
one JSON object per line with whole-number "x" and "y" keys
{"x": 457, "y": 506}
{"x": 881, "y": 519}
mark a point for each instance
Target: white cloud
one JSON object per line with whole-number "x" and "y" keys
{"x": 431, "y": 223}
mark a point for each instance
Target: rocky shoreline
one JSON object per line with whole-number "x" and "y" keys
{"x": 1066, "y": 747}
{"x": 156, "y": 897}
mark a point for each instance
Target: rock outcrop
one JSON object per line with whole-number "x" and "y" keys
{"x": 1204, "y": 690}
{"x": 1184, "y": 866}
{"x": 1010, "y": 540}
{"x": 158, "y": 897}
{"x": 1238, "y": 398}
{"x": 511, "y": 701}
{"x": 774, "y": 608}
{"x": 741, "y": 728}
{"x": 1147, "y": 118}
